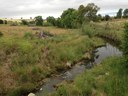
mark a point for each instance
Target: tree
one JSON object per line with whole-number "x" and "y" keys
{"x": 69, "y": 18}
{"x": 5, "y": 21}
{"x": 24, "y": 22}
{"x": 59, "y": 22}
{"x": 91, "y": 10}
{"x": 99, "y": 17}
{"x": 88, "y": 13}
{"x": 51, "y": 20}
{"x": 125, "y": 13}
{"x": 107, "y": 18}
{"x": 39, "y": 20}
{"x": 1, "y": 22}
{"x": 119, "y": 13}
{"x": 81, "y": 14}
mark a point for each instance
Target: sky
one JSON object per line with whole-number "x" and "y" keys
{"x": 45, "y": 8}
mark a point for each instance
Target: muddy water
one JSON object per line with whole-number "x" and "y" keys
{"x": 100, "y": 54}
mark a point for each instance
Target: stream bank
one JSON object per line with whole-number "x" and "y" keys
{"x": 100, "y": 54}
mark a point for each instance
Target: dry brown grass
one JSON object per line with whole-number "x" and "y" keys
{"x": 19, "y": 31}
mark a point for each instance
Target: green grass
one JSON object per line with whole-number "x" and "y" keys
{"x": 25, "y": 60}
{"x": 28, "y": 60}
{"x": 106, "y": 79}
{"x": 109, "y": 30}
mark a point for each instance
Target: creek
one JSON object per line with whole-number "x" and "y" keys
{"x": 100, "y": 54}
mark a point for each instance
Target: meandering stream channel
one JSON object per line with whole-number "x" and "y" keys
{"x": 100, "y": 54}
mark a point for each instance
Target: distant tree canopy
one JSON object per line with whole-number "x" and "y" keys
{"x": 91, "y": 11}
{"x": 5, "y": 21}
{"x": 39, "y": 21}
{"x": 99, "y": 17}
{"x": 51, "y": 20}
{"x": 87, "y": 13}
{"x": 81, "y": 14}
{"x": 24, "y": 22}
{"x": 58, "y": 22}
{"x": 1, "y": 22}
{"x": 125, "y": 13}
{"x": 122, "y": 13}
{"x": 72, "y": 18}
{"x": 119, "y": 13}
{"x": 107, "y": 18}
{"x": 69, "y": 18}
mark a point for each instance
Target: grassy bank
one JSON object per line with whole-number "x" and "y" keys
{"x": 109, "y": 30}
{"x": 25, "y": 60}
{"x": 106, "y": 79}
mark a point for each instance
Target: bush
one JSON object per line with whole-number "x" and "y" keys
{"x": 28, "y": 35}
{"x": 1, "y": 22}
{"x": 25, "y": 88}
{"x": 47, "y": 24}
{"x": 24, "y": 22}
{"x": 13, "y": 23}
{"x": 5, "y": 22}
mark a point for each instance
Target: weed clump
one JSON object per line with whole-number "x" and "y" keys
{"x": 28, "y": 35}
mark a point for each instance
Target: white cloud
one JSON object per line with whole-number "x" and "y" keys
{"x": 32, "y": 8}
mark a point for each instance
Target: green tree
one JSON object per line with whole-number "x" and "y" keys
{"x": 88, "y": 13}
{"x": 125, "y": 13}
{"x": 69, "y": 18}
{"x": 51, "y": 20}
{"x": 39, "y": 20}
{"x": 24, "y": 22}
{"x": 5, "y": 21}
{"x": 59, "y": 22}
{"x": 119, "y": 13}
{"x": 81, "y": 14}
{"x": 91, "y": 10}
{"x": 99, "y": 17}
{"x": 107, "y": 18}
{"x": 1, "y": 22}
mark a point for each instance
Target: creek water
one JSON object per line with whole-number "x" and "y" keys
{"x": 99, "y": 55}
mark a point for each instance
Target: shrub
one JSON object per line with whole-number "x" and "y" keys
{"x": 47, "y": 24}
{"x": 24, "y": 22}
{"x": 5, "y": 22}
{"x": 25, "y": 88}
{"x": 35, "y": 70}
{"x": 28, "y": 35}
{"x": 13, "y": 23}
{"x": 1, "y": 22}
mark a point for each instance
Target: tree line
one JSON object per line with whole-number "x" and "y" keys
{"x": 122, "y": 13}
{"x": 74, "y": 18}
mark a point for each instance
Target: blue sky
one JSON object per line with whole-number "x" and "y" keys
{"x": 32, "y": 8}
